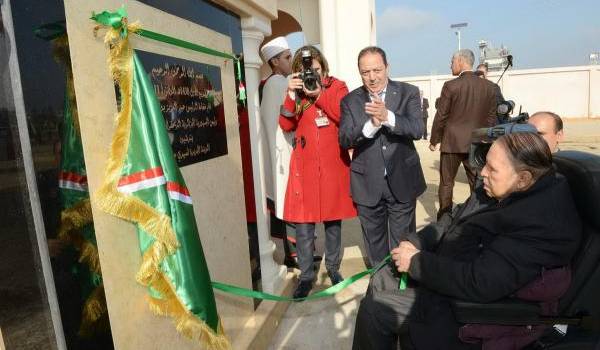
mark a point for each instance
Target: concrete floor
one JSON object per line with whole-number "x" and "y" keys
{"x": 329, "y": 323}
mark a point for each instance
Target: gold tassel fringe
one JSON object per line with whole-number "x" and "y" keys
{"x": 93, "y": 316}
{"x": 72, "y": 220}
{"x": 186, "y": 323}
{"x": 133, "y": 209}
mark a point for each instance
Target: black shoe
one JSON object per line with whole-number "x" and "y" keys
{"x": 335, "y": 277}
{"x": 302, "y": 290}
{"x": 290, "y": 262}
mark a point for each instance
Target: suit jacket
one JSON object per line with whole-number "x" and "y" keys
{"x": 390, "y": 152}
{"x": 425, "y": 107}
{"x": 466, "y": 103}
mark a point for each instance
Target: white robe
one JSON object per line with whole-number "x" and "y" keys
{"x": 276, "y": 145}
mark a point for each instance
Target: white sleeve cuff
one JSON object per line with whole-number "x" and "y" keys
{"x": 391, "y": 120}
{"x": 369, "y": 130}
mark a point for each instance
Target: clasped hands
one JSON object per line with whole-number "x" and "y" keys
{"x": 402, "y": 255}
{"x": 377, "y": 110}
{"x": 296, "y": 84}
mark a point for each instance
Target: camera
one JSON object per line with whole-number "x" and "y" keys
{"x": 482, "y": 139}
{"x": 503, "y": 111}
{"x": 310, "y": 78}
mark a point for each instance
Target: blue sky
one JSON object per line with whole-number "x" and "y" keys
{"x": 417, "y": 37}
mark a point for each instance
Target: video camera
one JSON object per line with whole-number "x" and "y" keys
{"x": 310, "y": 78}
{"x": 482, "y": 139}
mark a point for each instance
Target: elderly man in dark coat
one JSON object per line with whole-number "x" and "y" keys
{"x": 520, "y": 223}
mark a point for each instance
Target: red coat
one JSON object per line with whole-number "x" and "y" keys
{"x": 318, "y": 186}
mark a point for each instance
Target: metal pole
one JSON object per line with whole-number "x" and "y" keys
{"x": 459, "y": 39}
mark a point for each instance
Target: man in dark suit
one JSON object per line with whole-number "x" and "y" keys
{"x": 424, "y": 108}
{"x": 466, "y": 103}
{"x": 379, "y": 122}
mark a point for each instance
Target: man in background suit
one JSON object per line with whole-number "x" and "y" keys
{"x": 379, "y": 122}
{"x": 466, "y": 103}
{"x": 424, "y": 108}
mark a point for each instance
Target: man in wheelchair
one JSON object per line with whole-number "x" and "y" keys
{"x": 514, "y": 237}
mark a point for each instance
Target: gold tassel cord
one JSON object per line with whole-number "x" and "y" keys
{"x": 130, "y": 208}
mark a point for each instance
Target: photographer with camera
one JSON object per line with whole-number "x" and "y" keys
{"x": 318, "y": 187}
{"x": 518, "y": 226}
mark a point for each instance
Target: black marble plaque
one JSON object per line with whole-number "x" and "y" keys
{"x": 191, "y": 100}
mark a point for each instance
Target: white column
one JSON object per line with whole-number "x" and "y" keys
{"x": 342, "y": 39}
{"x": 253, "y": 32}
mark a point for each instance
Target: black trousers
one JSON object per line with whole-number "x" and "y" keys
{"x": 383, "y": 315}
{"x": 305, "y": 238}
{"x": 385, "y": 225}
{"x": 413, "y": 318}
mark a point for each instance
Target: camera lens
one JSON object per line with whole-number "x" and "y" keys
{"x": 310, "y": 83}
{"x": 478, "y": 154}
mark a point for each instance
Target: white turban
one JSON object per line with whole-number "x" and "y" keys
{"x": 274, "y": 48}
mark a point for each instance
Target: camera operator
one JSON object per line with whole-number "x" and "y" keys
{"x": 318, "y": 187}
{"x": 550, "y": 126}
{"x": 518, "y": 224}
{"x": 466, "y": 103}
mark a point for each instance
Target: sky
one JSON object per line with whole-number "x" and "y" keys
{"x": 417, "y": 38}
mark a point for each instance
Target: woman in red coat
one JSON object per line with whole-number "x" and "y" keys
{"x": 318, "y": 187}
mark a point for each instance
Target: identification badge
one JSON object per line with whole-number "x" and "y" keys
{"x": 321, "y": 120}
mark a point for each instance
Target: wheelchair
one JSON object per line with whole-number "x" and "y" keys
{"x": 579, "y": 307}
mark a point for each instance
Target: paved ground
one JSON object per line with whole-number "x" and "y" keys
{"x": 329, "y": 323}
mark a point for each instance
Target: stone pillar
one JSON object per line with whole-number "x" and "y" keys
{"x": 342, "y": 39}
{"x": 254, "y": 31}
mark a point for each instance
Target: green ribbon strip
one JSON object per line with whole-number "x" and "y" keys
{"x": 50, "y": 31}
{"x": 403, "y": 281}
{"x": 182, "y": 43}
{"x": 118, "y": 20}
{"x": 249, "y": 293}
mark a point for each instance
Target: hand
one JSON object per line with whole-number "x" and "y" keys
{"x": 376, "y": 122}
{"x": 402, "y": 255}
{"x": 376, "y": 109}
{"x": 294, "y": 84}
{"x": 433, "y": 147}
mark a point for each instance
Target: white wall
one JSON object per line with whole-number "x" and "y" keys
{"x": 572, "y": 92}
{"x": 347, "y": 26}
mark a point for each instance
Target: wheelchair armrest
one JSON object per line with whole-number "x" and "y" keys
{"x": 503, "y": 312}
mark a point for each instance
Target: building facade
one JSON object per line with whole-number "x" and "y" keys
{"x": 32, "y": 109}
